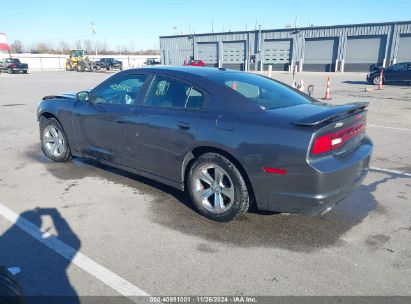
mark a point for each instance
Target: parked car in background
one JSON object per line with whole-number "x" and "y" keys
{"x": 13, "y": 65}
{"x": 230, "y": 139}
{"x": 152, "y": 61}
{"x": 198, "y": 63}
{"x": 109, "y": 64}
{"x": 397, "y": 73}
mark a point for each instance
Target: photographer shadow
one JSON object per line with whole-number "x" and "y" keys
{"x": 43, "y": 271}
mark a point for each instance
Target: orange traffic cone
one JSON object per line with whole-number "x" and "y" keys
{"x": 327, "y": 91}
{"x": 380, "y": 80}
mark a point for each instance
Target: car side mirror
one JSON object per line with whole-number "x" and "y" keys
{"x": 83, "y": 96}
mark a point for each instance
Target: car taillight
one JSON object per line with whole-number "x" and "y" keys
{"x": 332, "y": 141}
{"x": 13, "y": 65}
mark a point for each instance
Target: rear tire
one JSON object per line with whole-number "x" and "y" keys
{"x": 54, "y": 141}
{"x": 217, "y": 188}
{"x": 10, "y": 291}
{"x": 81, "y": 66}
{"x": 10, "y": 70}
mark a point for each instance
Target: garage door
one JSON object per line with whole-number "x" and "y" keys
{"x": 208, "y": 52}
{"x": 234, "y": 55}
{"x": 278, "y": 54}
{"x": 404, "y": 49}
{"x": 320, "y": 55}
{"x": 363, "y": 52}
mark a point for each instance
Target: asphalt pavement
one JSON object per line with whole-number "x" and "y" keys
{"x": 83, "y": 229}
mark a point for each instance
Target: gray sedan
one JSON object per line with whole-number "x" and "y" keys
{"x": 230, "y": 139}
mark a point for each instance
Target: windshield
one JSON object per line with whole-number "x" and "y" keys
{"x": 266, "y": 93}
{"x": 78, "y": 53}
{"x": 13, "y": 60}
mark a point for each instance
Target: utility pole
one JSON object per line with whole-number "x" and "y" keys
{"x": 297, "y": 53}
{"x": 212, "y": 25}
{"x": 93, "y": 32}
{"x": 259, "y": 48}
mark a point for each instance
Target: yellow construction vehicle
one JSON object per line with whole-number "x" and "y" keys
{"x": 79, "y": 61}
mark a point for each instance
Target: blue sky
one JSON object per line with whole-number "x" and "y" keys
{"x": 139, "y": 23}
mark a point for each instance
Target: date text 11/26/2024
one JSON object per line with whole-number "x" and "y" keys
{"x": 203, "y": 299}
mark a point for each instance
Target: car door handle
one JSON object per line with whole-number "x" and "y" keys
{"x": 184, "y": 125}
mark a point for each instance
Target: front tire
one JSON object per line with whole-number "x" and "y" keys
{"x": 217, "y": 188}
{"x": 69, "y": 67}
{"x": 54, "y": 141}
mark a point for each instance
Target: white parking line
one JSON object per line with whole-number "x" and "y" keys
{"x": 109, "y": 278}
{"x": 391, "y": 171}
{"x": 385, "y": 127}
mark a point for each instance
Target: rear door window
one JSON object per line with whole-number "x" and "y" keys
{"x": 399, "y": 67}
{"x": 171, "y": 93}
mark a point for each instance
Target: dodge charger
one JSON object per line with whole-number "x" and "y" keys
{"x": 229, "y": 139}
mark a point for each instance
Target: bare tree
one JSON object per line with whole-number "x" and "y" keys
{"x": 78, "y": 45}
{"x": 42, "y": 48}
{"x": 132, "y": 46}
{"x": 17, "y": 47}
{"x": 64, "y": 47}
{"x": 102, "y": 47}
{"x": 88, "y": 45}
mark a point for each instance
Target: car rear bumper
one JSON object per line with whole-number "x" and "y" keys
{"x": 331, "y": 181}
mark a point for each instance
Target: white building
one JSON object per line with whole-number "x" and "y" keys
{"x": 4, "y": 47}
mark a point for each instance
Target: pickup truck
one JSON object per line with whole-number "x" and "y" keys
{"x": 109, "y": 64}
{"x": 13, "y": 65}
{"x": 152, "y": 61}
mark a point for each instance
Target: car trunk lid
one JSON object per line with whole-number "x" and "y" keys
{"x": 336, "y": 129}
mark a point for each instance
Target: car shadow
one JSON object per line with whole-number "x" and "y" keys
{"x": 358, "y": 82}
{"x": 172, "y": 209}
{"x": 43, "y": 273}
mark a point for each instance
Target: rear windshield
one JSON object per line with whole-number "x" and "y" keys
{"x": 265, "y": 93}
{"x": 13, "y": 60}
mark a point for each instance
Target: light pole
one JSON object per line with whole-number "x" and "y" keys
{"x": 93, "y": 32}
{"x": 259, "y": 48}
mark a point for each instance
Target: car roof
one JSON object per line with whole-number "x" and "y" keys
{"x": 203, "y": 77}
{"x": 186, "y": 70}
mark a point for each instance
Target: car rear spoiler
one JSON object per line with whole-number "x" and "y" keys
{"x": 333, "y": 114}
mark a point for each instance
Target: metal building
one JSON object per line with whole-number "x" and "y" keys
{"x": 341, "y": 48}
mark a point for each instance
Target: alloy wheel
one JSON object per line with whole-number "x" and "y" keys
{"x": 213, "y": 188}
{"x": 54, "y": 141}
